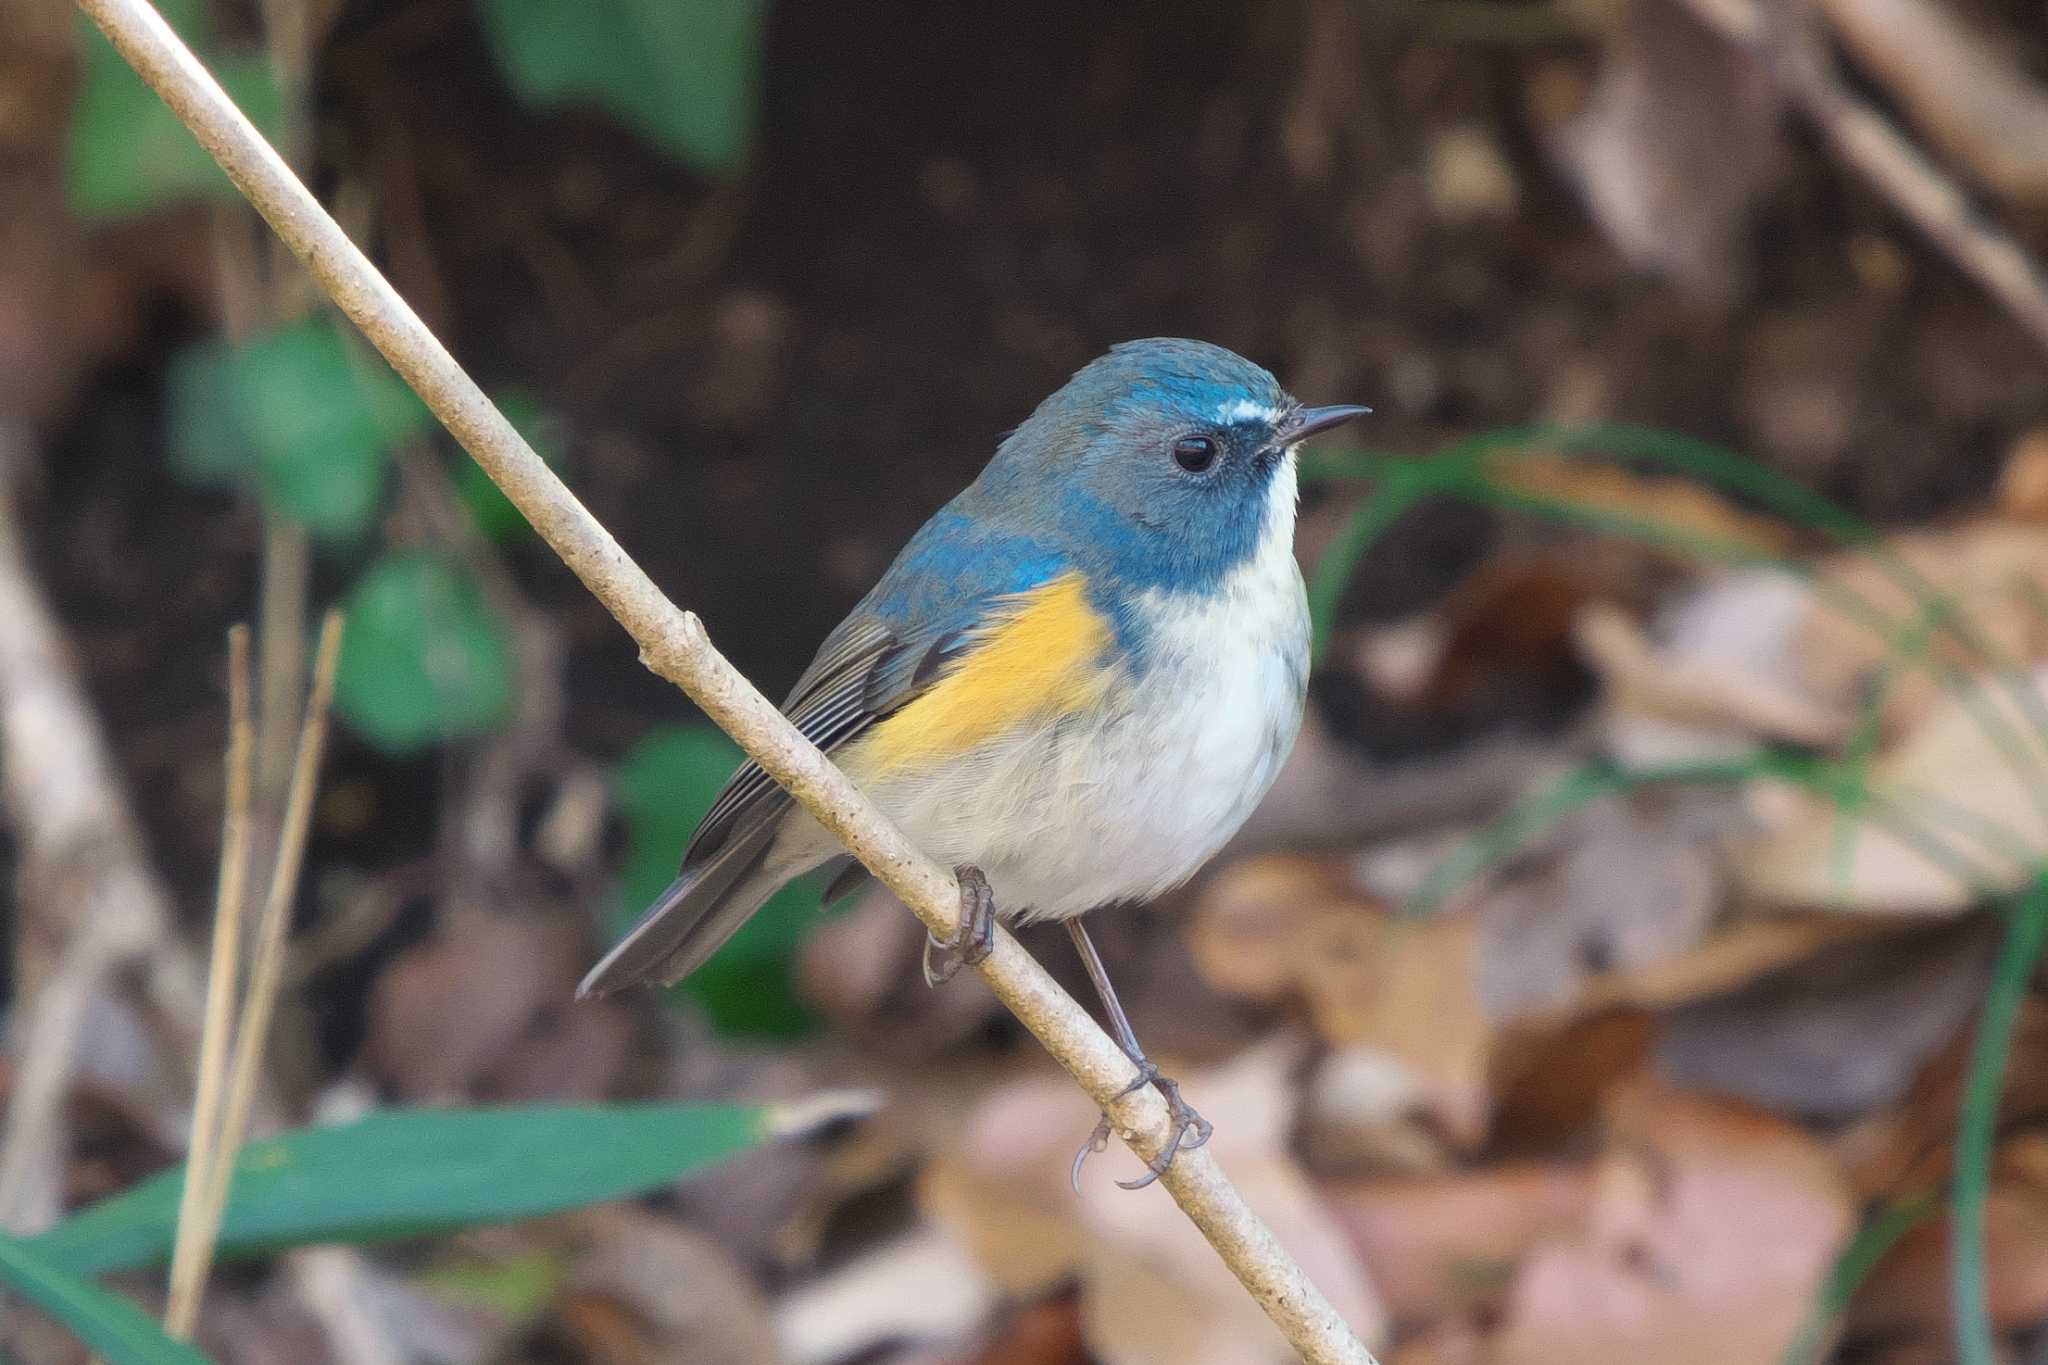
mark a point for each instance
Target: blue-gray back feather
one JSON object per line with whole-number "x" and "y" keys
{"x": 1084, "y": 484}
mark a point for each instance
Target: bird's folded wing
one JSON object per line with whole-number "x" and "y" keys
{"x": 864, "y": 672}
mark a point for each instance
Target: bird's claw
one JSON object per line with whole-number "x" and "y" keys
{"x": 973, "y": 941}
{"x": 1189, "y": 1130}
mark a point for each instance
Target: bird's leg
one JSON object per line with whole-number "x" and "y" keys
{"x": 1189, "y": 1129}
{"x": 973, "y": 940}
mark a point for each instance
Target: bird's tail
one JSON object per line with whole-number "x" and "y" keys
{"x": 690, "y": 921}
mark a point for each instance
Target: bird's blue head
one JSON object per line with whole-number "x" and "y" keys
{"x": 1165, "y": 463}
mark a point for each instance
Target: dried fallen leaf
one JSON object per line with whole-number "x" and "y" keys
{"x": 1624, "y": 885}
{"x": 1646, "y": 683}
{"x": 1907, "y": 1293}
{"x": 1961, "y": 811}
{"x": 1711, "y": 1230}
{"x": 1551, "y": 1084}
{"x": 1922, "y": 604}
{"x": 1045, "y": 1333}
{"x": 1446, "y": 1245}
{"x": 1682, "y": 508}
{"x": 639, "y": 1261}
{"x": 1839, "y": 1034}
{"x": 1151, "y": 1289}
{"x": 1246, "y": 929}
{"x": 1407, "y": 992}
{"x": 481, "y": 1011}
{"x": 1399, "y": 999}
{"x": 1908, "y": 1150}
{"x": 921, "y": 1287}
{"x": 859, "y": 969}
{"x": 1676, "y": 141}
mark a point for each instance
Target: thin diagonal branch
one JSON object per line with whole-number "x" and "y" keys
{"x": 673, "y": 643}
{"x": 1865, "y": 140}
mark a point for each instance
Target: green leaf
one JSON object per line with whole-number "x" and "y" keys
{"x": 1880, "y": 1232}
{"x": 680, "y": 72}
{"x": 128, "y": 154}
{"x": 516, "y": 1289}
{"x": 295, "y": 415}
{"x": 666, "y": 783}
{"x": 409, "y": 1172}
{"x": 208, "y": 442}
{"x": 488, "y": 506}
{"x": 114, "y": 1328}
{"x": 424, "y": 657}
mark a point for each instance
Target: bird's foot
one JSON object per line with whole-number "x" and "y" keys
{"x": 975, "y": 938}
{"x": 1189, "y": 1130}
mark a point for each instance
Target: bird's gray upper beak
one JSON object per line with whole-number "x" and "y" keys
{"x": 1314, "y": 421}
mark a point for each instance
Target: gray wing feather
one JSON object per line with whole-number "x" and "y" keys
{"x": 864, "y": 671}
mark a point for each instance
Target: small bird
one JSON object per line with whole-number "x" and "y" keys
{"x": 1073, "y": 684}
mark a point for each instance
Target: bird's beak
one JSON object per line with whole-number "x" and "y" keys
{"x": 1315, "y": 421}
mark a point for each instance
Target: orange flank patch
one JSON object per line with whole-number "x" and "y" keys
{"x": 1039, "y": 656}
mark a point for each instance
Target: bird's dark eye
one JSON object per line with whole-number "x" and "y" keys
{"x": 1194, "y": 453}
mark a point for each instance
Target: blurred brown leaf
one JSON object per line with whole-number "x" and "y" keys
{"x": 859, "y": 968}
{"x": 1045, "y": 1333}
{"x": 1446, "y": 1245}
{"x": 1246, "y": 928}
{"x": 1551, "y": 1084}
{"x": 484, "y": 1010}
{"x": 646, "y": 1290}
{"x": 1909, "y": 1149}
{"x": 1711, "y": 1230}
{"x": 1398, "y": 999}
{"x": 1620, "y": 888}
{"x": 1511, "y": 617}
{"x": 1677, "y": 140}
{"x": 1645, "y": 682}
{"x": 1151, "y": 1289}
{"x": 1835, "y": 1036}
{"x": 1907, "y": 1293}
{"x": 1681, "y": 507}
{"x": 1970, "y": 796}
{"x": 1963, "y": 598}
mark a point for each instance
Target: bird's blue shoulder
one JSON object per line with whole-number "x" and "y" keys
{"x": 957, "y": 566}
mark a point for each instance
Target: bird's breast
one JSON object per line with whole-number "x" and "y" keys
{"x": 1126, "y": 786}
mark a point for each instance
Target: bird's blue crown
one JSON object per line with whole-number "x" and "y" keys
{"x": 1153, "y": 468}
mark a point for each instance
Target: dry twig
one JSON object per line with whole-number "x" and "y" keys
{"x": 673, "y": 643}
{"x": 266, "y": 967}
{"x": 1863, "y": 138}
{"x": 191, "y": 1252}
{"x": 83, "y": 872}
{"x": 228, "y": 1089}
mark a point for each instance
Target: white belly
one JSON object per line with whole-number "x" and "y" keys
{"x": 1129, "y": 800}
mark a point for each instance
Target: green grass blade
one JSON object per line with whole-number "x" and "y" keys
{"x": 406, "y": 1172}
{"x": 1878, "y": 1235}
{"x": 116, "y": 1330}
{"x": 1465, "y": 474}
{"x": 2025, "y": 933}
{"x": 1532, "y": 818}
{"x": 1399, "y": 490}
